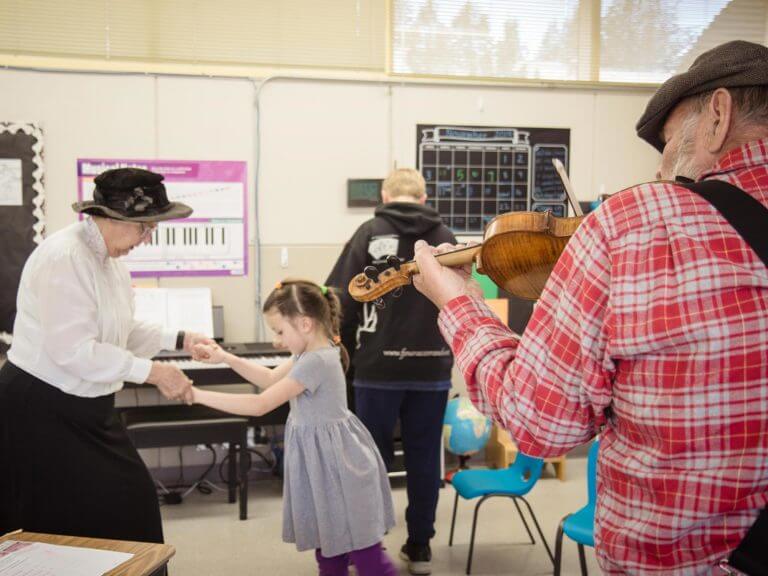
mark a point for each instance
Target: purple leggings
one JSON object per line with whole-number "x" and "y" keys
{"x": 371, "y": 561}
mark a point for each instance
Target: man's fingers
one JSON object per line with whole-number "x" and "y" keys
{"x": 445, "y": 247}
{"x": 424, "y": 257}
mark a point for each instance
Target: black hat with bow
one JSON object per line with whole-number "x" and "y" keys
{"x": 132, "y": 195}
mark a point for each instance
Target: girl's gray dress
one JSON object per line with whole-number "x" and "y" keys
{"x": 336, "y": 493}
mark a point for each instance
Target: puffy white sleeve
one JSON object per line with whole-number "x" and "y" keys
{"x": 69, "y": 320}
{"x": 146, "y": 340}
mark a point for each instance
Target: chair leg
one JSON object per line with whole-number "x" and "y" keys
{"x": 472, "y": 536}
{"x": 559, "y": 547}
{"x": 244, "y": 475}
{"x": 232, "y": 471}
{"x": 583, "y": 561}
{"x": 538, "y": 528}
{"x": 525, "y": 522}
{"x": 453, "y": 520}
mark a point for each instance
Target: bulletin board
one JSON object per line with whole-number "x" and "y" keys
{"x": 22, "y": 220}
{"x": 474, "y": 173}
{"x": 213, "y": 241}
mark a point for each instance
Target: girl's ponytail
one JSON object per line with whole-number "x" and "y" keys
{"x": 334, "y": 305}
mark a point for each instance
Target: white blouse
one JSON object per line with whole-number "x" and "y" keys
{"x": 74, "y": 325}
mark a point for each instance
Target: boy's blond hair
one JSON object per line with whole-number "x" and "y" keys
{"x": 405, "y": 182}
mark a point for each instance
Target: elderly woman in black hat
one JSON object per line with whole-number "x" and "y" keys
{"x": 67, "y": 464}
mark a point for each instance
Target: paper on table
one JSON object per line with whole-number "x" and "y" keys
{"x": 176, "y": 308}
{"x": 39, "y": 559}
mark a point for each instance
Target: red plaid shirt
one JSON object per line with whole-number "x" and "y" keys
{"x": 653, "y": 331}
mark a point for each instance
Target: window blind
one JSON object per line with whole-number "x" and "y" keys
{"x": 634, "y": 41}
{"x": 493, "y": 38}
{"x": 340, "y": 34}
{"x": 650, "y": 40}
{"x": 628, "y": 41}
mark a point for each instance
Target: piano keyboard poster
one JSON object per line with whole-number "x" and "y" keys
{"x": 213, "y": 241}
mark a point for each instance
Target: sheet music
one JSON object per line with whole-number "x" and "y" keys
{"x": 176, "y": 309}
{"x": 19, "y": 558}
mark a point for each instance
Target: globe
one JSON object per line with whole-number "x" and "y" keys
{"x": 465, "y": 428}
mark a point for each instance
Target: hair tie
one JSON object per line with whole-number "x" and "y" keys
{"x": 337, "y": 339}
{"x": 278, "y": 285}
{"x": 324, "y": 290}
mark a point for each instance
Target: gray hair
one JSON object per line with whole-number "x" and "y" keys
{"x": 750, "y": 103}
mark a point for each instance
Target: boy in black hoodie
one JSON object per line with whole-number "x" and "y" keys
{"x": 402, "y": 365}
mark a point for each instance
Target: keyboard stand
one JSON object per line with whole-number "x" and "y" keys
{"x": 162, "y": 426}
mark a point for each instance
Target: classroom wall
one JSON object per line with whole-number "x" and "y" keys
{"x": 314, "y": 134}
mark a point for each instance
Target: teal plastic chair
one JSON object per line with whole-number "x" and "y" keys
{"x": 580, "y": 526}
{"x": 513, "y": 482}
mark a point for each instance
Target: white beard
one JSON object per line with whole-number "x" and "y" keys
{"x": 684, "y": 164}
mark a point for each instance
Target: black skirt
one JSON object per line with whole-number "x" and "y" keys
{"x": 68, "y": 467}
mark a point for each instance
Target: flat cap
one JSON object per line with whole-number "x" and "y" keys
{"x": 733, "y": 64}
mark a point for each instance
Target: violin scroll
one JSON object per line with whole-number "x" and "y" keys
{"x": 369, "y": 286}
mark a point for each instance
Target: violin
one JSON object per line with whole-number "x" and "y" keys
{"x": 518, "y": 252}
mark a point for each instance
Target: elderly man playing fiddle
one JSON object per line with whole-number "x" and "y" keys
{"x": 652, "y": 331}
{"x": 68, "y": 466}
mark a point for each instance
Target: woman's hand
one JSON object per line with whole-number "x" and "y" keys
{"x": 170, "y": 380}
{"x": 190, "y": 397}
{"x": 439, "y": 283}
{"x": 209, "y": 353}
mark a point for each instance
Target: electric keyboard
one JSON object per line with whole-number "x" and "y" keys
{"x": 203, "y": 374}
{"x": 209, "y": 374}
{"x": 206, "y": 374}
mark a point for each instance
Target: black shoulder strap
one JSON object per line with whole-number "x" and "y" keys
{"x": 747, "y": 216}
{"x": 751, "y": 556}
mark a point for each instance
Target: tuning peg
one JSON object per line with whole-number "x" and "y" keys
{"x": 379, "y": 303}
{"x": 397, "y": 292}
{"x": 372, "y": 272}
{"x": 393, "y": 261}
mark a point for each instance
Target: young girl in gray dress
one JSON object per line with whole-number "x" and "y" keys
{"x": 336, "y": 497}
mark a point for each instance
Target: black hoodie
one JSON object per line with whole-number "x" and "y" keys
{"x": 400, "y": 342}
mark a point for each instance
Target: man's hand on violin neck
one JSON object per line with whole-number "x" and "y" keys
{"x": 439, "y": 283}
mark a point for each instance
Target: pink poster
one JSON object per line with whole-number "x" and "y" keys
{"x": 213, "y": 241}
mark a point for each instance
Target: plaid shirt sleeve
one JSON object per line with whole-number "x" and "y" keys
{"x": 550, "y": 388}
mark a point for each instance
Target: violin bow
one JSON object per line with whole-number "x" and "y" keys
{"x": 568, "y": 187}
